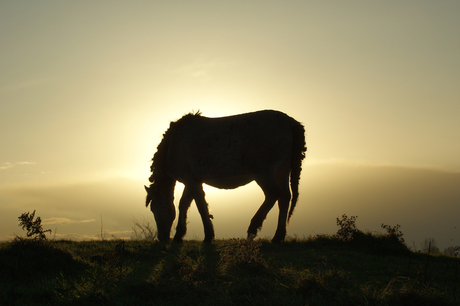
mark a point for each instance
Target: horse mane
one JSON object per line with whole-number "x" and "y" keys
{"x": 160, "y": 156}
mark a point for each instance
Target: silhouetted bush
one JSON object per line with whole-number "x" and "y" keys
{"x": 347, "y": 228}
{"x": 34, "y": 227}
{"x": 394, "y": 232}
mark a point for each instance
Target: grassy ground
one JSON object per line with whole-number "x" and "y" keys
{"x": 369, "y": 270}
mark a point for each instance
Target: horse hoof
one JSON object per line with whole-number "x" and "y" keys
{"x": 178, "y": 240}
{"x": 277, "y": 239}
{"x": 208, "y": 240}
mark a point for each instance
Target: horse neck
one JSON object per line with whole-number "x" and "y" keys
{"x": 166, "y": 184}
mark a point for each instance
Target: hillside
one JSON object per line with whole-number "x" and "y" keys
{"x": 322, "y": 270}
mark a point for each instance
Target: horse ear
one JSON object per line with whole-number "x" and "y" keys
{"x": 148, "y": 199}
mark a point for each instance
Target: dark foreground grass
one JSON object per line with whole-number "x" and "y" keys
{"x": 368, "y": 270}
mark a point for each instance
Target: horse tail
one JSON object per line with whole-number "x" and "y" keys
{"x": 298, "y": 154}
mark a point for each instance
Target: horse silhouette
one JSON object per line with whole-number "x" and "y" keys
{"x": 265, "y": 146}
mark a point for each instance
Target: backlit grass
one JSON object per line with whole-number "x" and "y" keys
{"x": 322, "y": 270}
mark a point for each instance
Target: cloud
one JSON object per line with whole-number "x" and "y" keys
{"x": 25, "y": 163}
{"x": 202, "y": 67}
{"x": 107, "y": 235}
{"x": 424, "y": 201}
{"x": 8, "y": 165}
{"x": 64, "y": 221}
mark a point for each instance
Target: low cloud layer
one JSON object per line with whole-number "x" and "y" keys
{"x": 64, "y": 221}
{"x": 8, "y": 165}
{"x": 423, "y": 201}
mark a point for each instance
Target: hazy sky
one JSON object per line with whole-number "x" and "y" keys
{"x": 87, "y": 89}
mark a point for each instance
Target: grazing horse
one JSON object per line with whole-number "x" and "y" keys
{"x": 264, "y": 146}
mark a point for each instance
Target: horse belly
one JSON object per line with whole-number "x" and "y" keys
{"x": 229, "y": 182}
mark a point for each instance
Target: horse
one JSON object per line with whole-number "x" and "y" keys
{"x": 264, "y": 146}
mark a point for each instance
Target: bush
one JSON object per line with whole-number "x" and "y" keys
{"x": 394, "y": 232}
{"x": 347, "y": 228}
{"x": 34, "y": 228}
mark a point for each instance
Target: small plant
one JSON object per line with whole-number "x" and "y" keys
{"x": 34, "y": 228}
{"x": 430, "y": 246}
{"x": 347, "y": 228}
{"x": 394, "y": 231}
{"x": 143, "y": 230}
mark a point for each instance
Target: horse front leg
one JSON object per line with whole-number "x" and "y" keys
{"x": 184, "y": 205}
{"x": 203, "y": 209}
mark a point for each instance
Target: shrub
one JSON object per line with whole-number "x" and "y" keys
{"x": 34, "y": 228}
{"x": 394, "y": 232}
{"x": 347, "y": 228}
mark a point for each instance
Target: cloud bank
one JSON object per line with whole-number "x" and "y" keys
{"x": 64, "y": 221}
{"x": 8, "y": 165}
{"x": 425, "y": 202}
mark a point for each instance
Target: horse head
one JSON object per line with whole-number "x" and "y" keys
{"x": 162, "y": 207}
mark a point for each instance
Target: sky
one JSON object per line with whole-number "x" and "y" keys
{"x": 88, "y": 88}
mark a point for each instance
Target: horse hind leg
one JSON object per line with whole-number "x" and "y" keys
{"x": 272, "y": 193}
{"x": 283, "y": 204}
{"x": 184, "y": 205}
